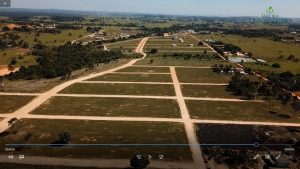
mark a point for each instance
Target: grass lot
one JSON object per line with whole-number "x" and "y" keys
{"x": 97, "y": 132}
{"x": 121, "y": 89}
{"x": 165, "y": 45}
{"x": 10, "y": 104}
{"x": 120, "y": 107}
{"x": 8, "y": 54}
{"x": 146, "y": 69}
{"x": 159, "y": 61}
{"x": 127, "y": 47}
{"x": 207, "y": 91}
{"x": 192, "y": 75}
{"x": 61, "y": 38}
{"x": 272, "y": 111}
{"x": 135, "y": 77}
{"x": 261, "y": 48}
{"x": 285, "y": 66}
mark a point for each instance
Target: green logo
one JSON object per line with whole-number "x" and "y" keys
{"x": 270, "y": 10}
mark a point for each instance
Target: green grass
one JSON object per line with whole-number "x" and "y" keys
{"x": 135, "y": 77}
{"x": 48, "y": 38}
{"x": 192, "y": 75}
{"x": 159, "y": 61}
{"x": 261, "y": 48}
{"x": 98, "y": 132}
{"x": 207, "y": 91}
{"x": 146, "y": 69}
{"x": 116, "y": 107}
{"x": 8, "y": 54}
{"x": 121, "y": 89}
{"x": 272, "y": 111}
{"x": 10, "y": 104}
{"x": 285, "y": 65}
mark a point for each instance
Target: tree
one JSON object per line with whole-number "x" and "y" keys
{"x": 153, "y": 51}
{"x": 276, "y": 65}
{"x": 13, "y": 61}
{"x": 151, "y": 61}
{"x": 291, "y": 57}
{"x": 250, "y": 54}
{"x": 139, "y": 162}
{"x": 200, "y": 43}
{"x": 70, "y": 34}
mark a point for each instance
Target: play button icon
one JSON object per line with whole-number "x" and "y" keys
{"x": 5, "y": 3}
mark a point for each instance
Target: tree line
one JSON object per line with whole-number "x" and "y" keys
{"x": 62, "y": 60}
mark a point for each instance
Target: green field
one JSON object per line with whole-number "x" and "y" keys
{"x": 271, "y": 111}
{"x": 160, "y": 61}
{"x": 7, "y": 54}
{"x": 169, "y": 45}
{"x": 146, "y": 69}
{"x": 261, "y": 48}
{"x": 10, "y": 104}
{"x": 207, "y": 91}
{"x": 195, "y": 75}
{"x": 121, "y": 89}
{"x": 135, "y": 77}
{"x": 115, "y": 107}
{"x": 285, "y": 65}
{"x": 49, "y": 39}
{"x": 35, "y": 131}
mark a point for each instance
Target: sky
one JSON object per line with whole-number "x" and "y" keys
{"x": 284, "y": 8}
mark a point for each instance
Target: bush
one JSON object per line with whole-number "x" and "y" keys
{"x": 276, "y": 65}
{"x": 153, "y": 51}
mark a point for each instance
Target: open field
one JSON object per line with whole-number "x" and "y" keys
{"x": 10, "y": 104}
{"x": 135, "y": 77}
{"x": 49, "y": 39}
{"x": 169, "y": 45}
{"x": 160, "y": 61}
{"x": 91, "y": 132}
{"x": 121, "y": 89}
{"x": 146, "y": 69}
{"x": 192, "y": 75}
{"x": 285, "y": 65}
{"x": 116, "y": 107}
{"x": 7, "y": 54}
{"x": 261, "y": 48}
{"x": 207, "y": 91}
{"x": 271, "y": 111}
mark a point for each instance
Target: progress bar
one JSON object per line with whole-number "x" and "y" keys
{"x": 143, "y": 145}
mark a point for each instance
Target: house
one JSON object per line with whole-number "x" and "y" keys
{"x": 166, "y": 34}
{"x": 191, "y": 45}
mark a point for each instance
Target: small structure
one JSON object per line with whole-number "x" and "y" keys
{"x": 191, "y": 45}
{"x": 166, "y": 34}
{"x": 174, "y": 45}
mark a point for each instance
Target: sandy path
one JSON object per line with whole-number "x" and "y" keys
{"x": 155, "y": 83}
{"x": 116, "y": 96}
{"x": 103, "y": 163}
{"x": 140, "y": 73}
{"x": 19, "y": 94}
{"x": 189, "y": 127}
{"x": 192, "y": 67}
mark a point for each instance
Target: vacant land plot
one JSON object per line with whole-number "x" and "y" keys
{"x": 19, "y": 54}
{"x": 207, "y": 91}
{"x": 181, "y": 44}
{"x": 97, "y": 132}
{"x": 160, "y": 61}
{"x": 135, "y": 77}
{"x": 121, "y": 107}
{"x": 121, "y": 89}
{"x": 55, "y": 39}
{"x": 245, "y": 111}
{"x": 192, "y": 75}
{"x": 10, "y": 104}
{"x": 146, "y": 69}
{"x": 261, "y": 48}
